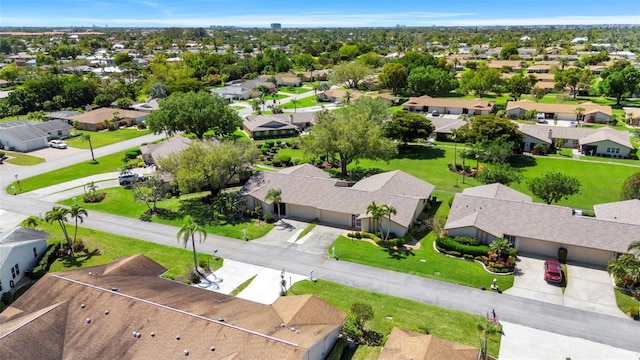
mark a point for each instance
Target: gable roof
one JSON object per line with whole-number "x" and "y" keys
{"x": 305, "y": 187}
{"x": 500, "y": 216}
{"x": 497, "y": 191}
{"x": 92, "y": 311}
{"x": 446, "y": 125}
{"x": 266, "y": 122}
{"x": 425, "y": 100}
{"x": 608, "y": 134}
{"x": 21, "y": 234}
{"x": 63, "y": 114}
{"x": 528, "y": 105}
{"x": 173, "y": 145}
{"x": 627, "y": 211}
{"x": 585, "y": 135}
{"x": 405, "y": 345}
{"x": 23, "y": 130}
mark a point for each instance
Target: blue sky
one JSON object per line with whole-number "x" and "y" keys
{"x": 313, "y": 13}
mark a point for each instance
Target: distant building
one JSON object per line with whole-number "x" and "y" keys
{"x": 276, "y": 26}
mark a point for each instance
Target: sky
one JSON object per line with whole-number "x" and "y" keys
{"x": 314, "y": 13}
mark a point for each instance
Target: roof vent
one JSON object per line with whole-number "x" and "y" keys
{"x": 178, "y": 337}
{"x": 106, "y": 312}
{"x": 221, "y": 319}
{"x": 88, "y": 320}
{"x": 213, "y": 348}
{"x": 281, "y": 324}
{"x": 90, "y": 273}
{"x": 82, "y": 306}
{"x": 153, "y": 334}
{"x": 186, "y": 353}
{"x": 114, "y": 289}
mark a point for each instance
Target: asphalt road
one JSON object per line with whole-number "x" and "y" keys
{"x": 617, "y": 332}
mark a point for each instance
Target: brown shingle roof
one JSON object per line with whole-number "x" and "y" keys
{"x": 477, "y": 104}
{"x": 589, "y": 108}
{"x": 408, "y": 345}
{"x": 100, "y": 115}
{"x": 56, "y": 309}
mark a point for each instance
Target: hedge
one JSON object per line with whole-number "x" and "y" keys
{"x": 466, "y": 240}
{"x": 450, "y": 244}
{"x": 43, "y": 265}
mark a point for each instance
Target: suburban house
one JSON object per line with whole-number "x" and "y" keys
{"x": 443, "y": 127}
{"x": 316, "y": 75}
{"x": 233, "y": 92}
{"x": 147, "y": 107}
{"x": 61, "y": 115}
{"x": 429, "y": 104}
{"x": 404, "y": 344}
{"x": 594, "y": 142}
{"x": 310, "y": 193}
{"x": 338, "y": 95}
{"x": 29, "y": 135}
{"x": 20, "y": 250}
{"x": 4, "y": 83}
{"x": 154, "y": 151}
{"x": 255, "y": 83}
{"x": 125, "y": 310}
{"x": 632, "y": 115}
{"x": 286, "y": 79}
{"x": 514, "y": 65}
{"x": 99, "y": 119}
{"x": 567, "y": 112}
{"x": 627, "y": 211}
{"x": 277, "y": 125}
{"x": 496, "y": 211}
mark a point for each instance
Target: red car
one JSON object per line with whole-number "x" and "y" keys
{"x": 552, "y": 271}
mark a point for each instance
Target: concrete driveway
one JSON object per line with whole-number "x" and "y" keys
{"x": 590, "y": 289}
{"x": 529, "y": 282}
{"x": 286, "y": 235}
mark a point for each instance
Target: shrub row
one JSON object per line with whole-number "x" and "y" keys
{"x": 43, "y": 265}
{"x": 450, "y": 244}
{"x": 466, "y": 240}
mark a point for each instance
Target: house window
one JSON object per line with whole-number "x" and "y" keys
{"x": 575, "y": 142}
{"x": 355, "y": 222}
{"x": 608, "y": 150}
{"x": 0, "y": 286}
{"x": 35, "y": 253}
{"x": 510, "y": 238}
{"x": 617, "y": 151}
{"x": 17, "y": 270}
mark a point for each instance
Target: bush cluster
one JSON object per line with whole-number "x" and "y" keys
{"x": 451, "y": 245}
{"x": 43, "y": 264}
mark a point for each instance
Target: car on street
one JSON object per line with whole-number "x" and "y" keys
{"x": 130, "y": 178}
{"x": 58, "y": 144}
{"x": 435, "y": 113}
{"x": 552, "y": 271}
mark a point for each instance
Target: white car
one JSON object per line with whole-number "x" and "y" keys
{"x": 58, "y": 144}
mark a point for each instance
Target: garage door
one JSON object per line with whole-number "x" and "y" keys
{"x": 538, "y": 247}
{"x": 589, "y": 256}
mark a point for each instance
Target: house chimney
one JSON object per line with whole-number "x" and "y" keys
{"x": 290, "y": 118}
{"x": 88, "y": 107}
{"x": 550, "y": 136}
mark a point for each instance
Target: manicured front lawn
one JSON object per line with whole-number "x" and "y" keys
{"x": 104, "y": 164}
{"x": 17, "y": 158}
{"x": 392, "y": 312}
{"x": 625, "y": 301}
{"x": 293, "y": 90}
{"x": 103, "y": 138}
{"x": 119, "y": 201}
{"x": 424, "y": 261}
{"x": 102, "y": 248}
{"x": 302, "y": 103}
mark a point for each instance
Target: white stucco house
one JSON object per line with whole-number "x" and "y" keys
{"x": 496, "y": 211}
{"x": 449, "y": 106}
{"x": 20, "y": 250}
{"x": 593, "y": 113}
{"x": 28, "y": 135}
{"x": 309, "y": 193}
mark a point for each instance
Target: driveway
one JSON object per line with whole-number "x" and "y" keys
{"x": 286, "y": 236}
{"x": 590, "y": 289}
{"x": 51, "y": 154}
{"x": 529, "y": 282}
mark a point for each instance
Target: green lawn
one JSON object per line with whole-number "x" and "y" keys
{"x": 625, "y": 301}
{"x": 392, "y": 312}
{"x": 237, "y": 107}
{"x": 293, "y": 90}
{"x": 302, "y": 103}
{"x": 242, "y": 286}
{"x": 424, "y": 261}
{"x": 306, "y": 231}
{"x": 17, "y": 158}
{"x": 119, "y": 201}
{"x": 103, "y": 138}
{"x": 103, "y": 248}
{"x": 105, "y": 164}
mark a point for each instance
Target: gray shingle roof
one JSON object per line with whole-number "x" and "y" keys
{"x": 303, "y": 187}
{"x": 608, "y": 134}
{"x": 497, "y": 191}
{"x": 24, "y": 132}
{"x": 620, "y": 211}
{"x": 584, "y": 135}
{"x": 61, "y": 114}
{"x": 267, "y": 122}
{"x": 539, "y": 221}
{"x": 23, "y": 234}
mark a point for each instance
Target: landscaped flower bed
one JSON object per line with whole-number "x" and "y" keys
{"x": 502, "y": 261}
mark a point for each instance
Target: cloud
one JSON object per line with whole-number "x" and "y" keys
{"x": 148, "y": 3}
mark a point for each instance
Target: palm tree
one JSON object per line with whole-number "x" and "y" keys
{"x": 87, "y": 138}
{"x": 499, "y": 246}
{"x": 295, "y": 103}
{"x": 635, "y": 247}
{"x": 388, "y": 210}
{"x": 376, "y": 214}
{"x": 188, "y": 231}
{"x": 59, "y": 214}
{"x": 91, "y": 187}
{"x": 477, "y": 149}
{"x": 454, "y": 137}
{"x": 347, "y": 97}
{"x": 76, "y": 213}
{"x": 31, "y": 222}
{"x": 275, "y": 195}
{"x": 486, "y": 329}
{"x": 563, "y": 62}
{"x": 579, "y": 111}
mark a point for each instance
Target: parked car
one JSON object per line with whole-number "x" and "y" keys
{"x": 435, "y": 113}
{"x": 552, "y": 271}
{"x": 58, "y": 144}
{"x": 128, "y": 179}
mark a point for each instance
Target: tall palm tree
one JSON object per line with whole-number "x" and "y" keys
{"x": 388, "y": 210}
{"x": 563, "y": 62}
{"x": 579, "y": 111}
{"x": 59, "y": 214}
{"x": 91, "y": 187}
{"x": 275, "y": 195}
{"x": 477, "y": 149}
{"x": 295, "y": 103}
{"x": 376, "y": 214}
{"x": 31, "y": 222}
{"x": 188, "y": 231}
{"x": 454, "y": 137}
{"x": 87, "y": 138}
{"x": 347, "y": 97}
{"x": 77, "y": 212}
{"x": 486, "y": 329}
